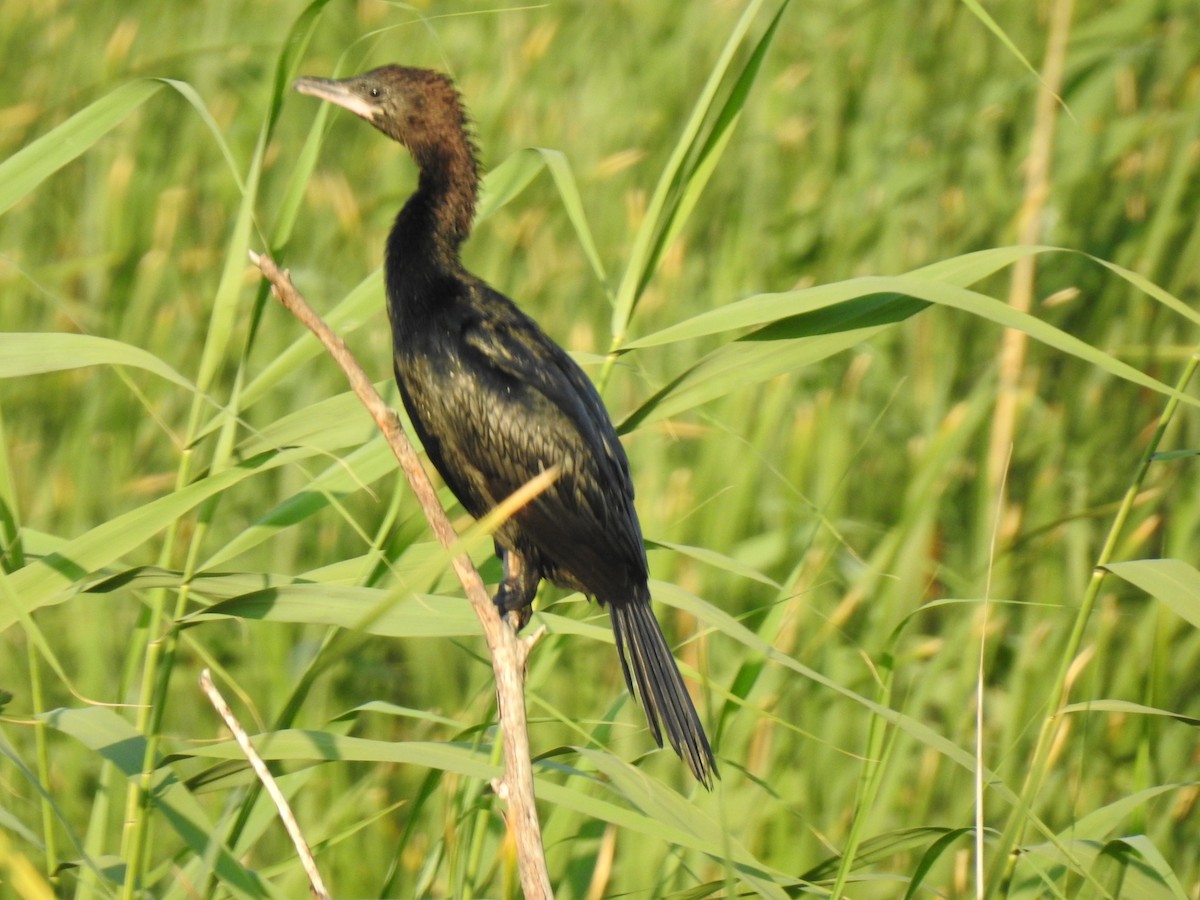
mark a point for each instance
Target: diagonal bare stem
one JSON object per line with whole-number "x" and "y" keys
{"x": 315, "y": 882}
{"x": 508, "y": 651}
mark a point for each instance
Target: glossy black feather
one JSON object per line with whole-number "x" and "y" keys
{"x": 496, "y": 402}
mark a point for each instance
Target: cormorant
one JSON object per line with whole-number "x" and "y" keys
{"x": 496, "y": 402}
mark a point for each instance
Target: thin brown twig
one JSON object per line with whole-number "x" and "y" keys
{"x": 315, "y": 884}
{"x": 509, "y": 652}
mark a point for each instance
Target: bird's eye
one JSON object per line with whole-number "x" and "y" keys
{"x": 375, "y": 92}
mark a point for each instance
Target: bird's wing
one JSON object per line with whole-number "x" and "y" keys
{"x": 548, "y": 413}
{"x": 519, "y": 349}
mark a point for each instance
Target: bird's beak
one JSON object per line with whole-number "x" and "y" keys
{"x": 340, "y": 92}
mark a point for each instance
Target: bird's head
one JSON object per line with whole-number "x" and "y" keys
{"x": 417, "y": 107}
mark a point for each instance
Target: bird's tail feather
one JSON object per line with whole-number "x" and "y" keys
{"x": 647, "y": 663}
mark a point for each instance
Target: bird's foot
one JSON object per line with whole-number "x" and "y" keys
{"x": 514, "y": 596}
{"x": 514, "y": 609}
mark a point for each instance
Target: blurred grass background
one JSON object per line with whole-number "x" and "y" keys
{"x": 842, "y": 498}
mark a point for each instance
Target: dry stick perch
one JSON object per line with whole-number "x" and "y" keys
{"x": 315, "y": 884}
{"x": 508, "y": 651}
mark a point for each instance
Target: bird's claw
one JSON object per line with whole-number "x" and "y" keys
{"x": 518, "y": 618}
{"x": 512, "y": 609}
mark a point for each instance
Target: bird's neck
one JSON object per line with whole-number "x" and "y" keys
{"x": 429, "y": 231}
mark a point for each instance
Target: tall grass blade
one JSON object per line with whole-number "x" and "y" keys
{"x": 662, "y": 207}
{"x": 286, "y": 66}
{"x": 702, "y": 162}
{"x": 114, "y": 739}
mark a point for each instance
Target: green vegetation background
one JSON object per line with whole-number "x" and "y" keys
{"x": 830, "y": 562}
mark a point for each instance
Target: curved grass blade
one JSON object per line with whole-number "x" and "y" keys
{"x": 932, "y": 854}
{"x": 212, "y": 586}
{"x": 807, "y": 338}
{"x": 39, "y": 353}
{"x": 1173, "y": 582}
{"x": 372, "y": 610}
{"x": 994, "y": 27}
{"x": 323, "y": 746}
{"x": 503, "y": 183}
{"x": 763, "y": 309}
{"x": 1113, "y": 869}
{"x": 364, "y": 302}
{"x": 1148, "y": 287}
{"x": 362, "y": 467}
{"x": 506, "y": 181}
{"x": 326, "y": 427}
{"x": 54, "y": 578}
{"x": 658, "y": 813}
{"x": 793, "y": 341}
{"x": 103, "y": 731}
{"x": 682, "y": 823}
{"x": 189, "y": 94}
{"x": 721, "y": 622}
{"x": 1102, "y": 823}
{"x": 568, "y": 192}
{"x": 1126, "y": 708}
{"x": 717, "y": 561}
{"x": 22, "y": 172}
{"x": 348, "y": 606}
{"x": 1161, "y": 870}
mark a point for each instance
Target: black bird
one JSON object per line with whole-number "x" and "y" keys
{"x": 496, "y": 402}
